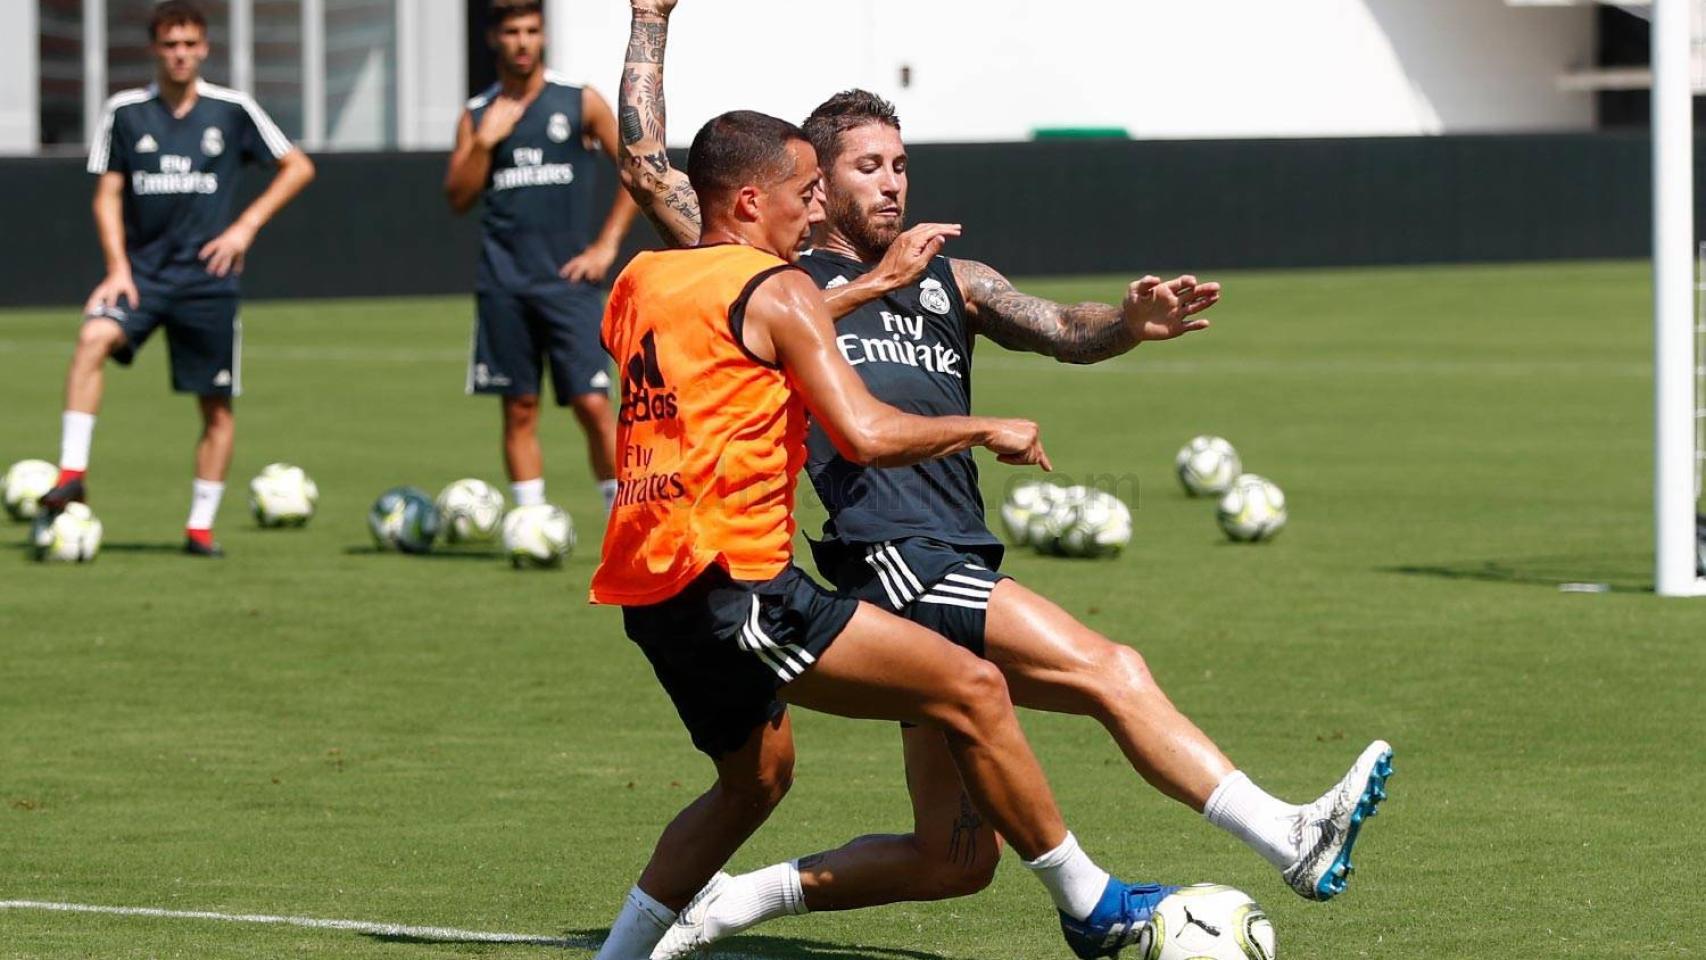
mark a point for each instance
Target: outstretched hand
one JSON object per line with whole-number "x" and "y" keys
{"x": 1018, "y": 442}
{"x": 1155, "y": 310}
{"x": 910, "y": 254}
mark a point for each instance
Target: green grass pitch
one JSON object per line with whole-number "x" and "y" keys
{"x": 315, "y": 729}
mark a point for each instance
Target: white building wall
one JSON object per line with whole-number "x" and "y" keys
{"x": 998, "y": 69}
{"x": 19, "y": 85}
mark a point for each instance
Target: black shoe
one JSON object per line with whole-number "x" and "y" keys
{"x": 71, "y": 491}
{"x": 196, "y": 548}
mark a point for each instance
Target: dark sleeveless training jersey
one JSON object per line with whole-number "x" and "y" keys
{"x": 913, "y": 349}
{"x": 181, "y": 178}
{"x": 538, "y": 193}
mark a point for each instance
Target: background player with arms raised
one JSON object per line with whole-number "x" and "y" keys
{"x": 168, "y": 158}
{"x": 913, "y": 539}
{"x": 526, "y": 145}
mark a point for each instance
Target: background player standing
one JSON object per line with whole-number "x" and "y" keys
{"x": 526, "y": 145}
{"x": 168, "y": 157}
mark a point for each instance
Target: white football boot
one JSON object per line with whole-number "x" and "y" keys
{"x": 1327, "y": 829}
{"x": 686, "y": 936}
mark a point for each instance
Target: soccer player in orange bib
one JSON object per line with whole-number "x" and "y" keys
{"x": 723, "y": 348}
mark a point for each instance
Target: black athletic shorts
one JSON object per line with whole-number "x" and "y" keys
{"x": 204, "y": 337}
{"x": 936, "y": 585}
{"x": 517, "y": 334}
{"x": 722, "y": 648}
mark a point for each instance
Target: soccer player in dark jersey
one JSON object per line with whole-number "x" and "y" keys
{"x": 168, "y": 158}
{"x": 526, "y": 146}
{"x": 913, "y": 539}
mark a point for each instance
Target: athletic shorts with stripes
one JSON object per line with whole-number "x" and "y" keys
{"x": 936, "y": 585}
{"x": 723, "y": 648}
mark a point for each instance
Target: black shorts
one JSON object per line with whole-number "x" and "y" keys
{"x": 722, "y": 648}
{"x": 936, "y": 585}
{"x": 204, "y": 336}
{"x": 517, "y": 334}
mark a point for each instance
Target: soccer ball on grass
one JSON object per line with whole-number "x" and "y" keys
{"x": 540, "y": 535}
{"x": 471, "y": 510}
{"x": 404, "y": 518}
{"x": 282, "y": 495}
{"x": 1207, "y": 922}
{"x": 1025, "y": 501}
{"x": 24, "y": 484}
{"x": 1253, "y": 510}
{"x": 1207, "y": 465}
{"x": 1098, "y": 525}
{"x": 74, "y": 536}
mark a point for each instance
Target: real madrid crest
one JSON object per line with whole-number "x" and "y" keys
{"x": 558, "y": 127}
{"x": 212, "y": 142}
{"x": 934, "y": 298}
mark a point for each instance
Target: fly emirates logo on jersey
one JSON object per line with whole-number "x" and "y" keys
{"x": 531, "y": 170}
{"x": 177, "y": 175}
{"x": 647, "y": 399}
{"x": 903, "y": 344}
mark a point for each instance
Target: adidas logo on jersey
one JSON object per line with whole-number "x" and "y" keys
{"x": 645, "y": 394}
{"x": 837, "y": 282}
{"x": 147, "y": 144}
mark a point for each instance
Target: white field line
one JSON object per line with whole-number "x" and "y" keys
{"x": 1137, "y": 367}
{"x": 312, "y": 923}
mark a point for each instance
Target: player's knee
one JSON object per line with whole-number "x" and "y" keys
{"x": 97, "y": 340}
{"x": 592, "y": 410}
{"x": 977, "y": 697}
{"x": 1121, "y": 677}
{"x": 762, "y": 789}
{"x": 962, "y": 876}
{"x": 521, "y": 412}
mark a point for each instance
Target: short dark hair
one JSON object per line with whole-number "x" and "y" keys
{"x": 175, "y": 13}
{"x": 841, "y": 113}
{"x": 497, "y": 11}
{"x": 738, "y": 148}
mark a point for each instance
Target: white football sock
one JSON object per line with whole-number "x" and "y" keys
{"x": 204, "y": 503}
{"x": 529, "y": 493}
{"x": 76, "y": 433}
{"x": 1249, "y": 813}
{"x": 608, "y": 488}
{"x": 638, "y": 927}
{"x": 1072, "y": 878}
{"x": 752, "y": 898}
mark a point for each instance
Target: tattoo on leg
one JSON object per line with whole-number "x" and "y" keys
{"x": 962, "y": 843}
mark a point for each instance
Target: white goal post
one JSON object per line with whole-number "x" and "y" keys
{"x": 1674, "y": 282}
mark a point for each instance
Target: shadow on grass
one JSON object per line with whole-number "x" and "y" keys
{"x": 455, "y": 554}
{"x": 743, "y": 947}
{"x": 1619, "y": 573}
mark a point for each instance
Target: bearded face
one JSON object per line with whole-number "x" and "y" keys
{"x": 865, "y": 189}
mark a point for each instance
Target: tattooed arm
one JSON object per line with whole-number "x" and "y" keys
{"x": 662, "y": 191}
{"x": 1083, "y": 332}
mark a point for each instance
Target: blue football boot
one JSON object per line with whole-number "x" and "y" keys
{"x": 1121, "y": 914}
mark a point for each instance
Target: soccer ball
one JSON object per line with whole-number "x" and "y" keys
{"x": 471, "y": 510}
{"x": 1254, "y": 509}
{"x": 1207, "y": 922}
{"x": 282, "y": 495}
{"x": 404, "y": 518}
{"x": 74, "y": 536}
{"x": 24, "y": 484}
{"x": 1027, "y": 500}
{"x": 1043, "y": 529}
{"x": 1207, "y": 465}
{"x": 1097, "y": 526}
{"x": 540, "y": 535}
